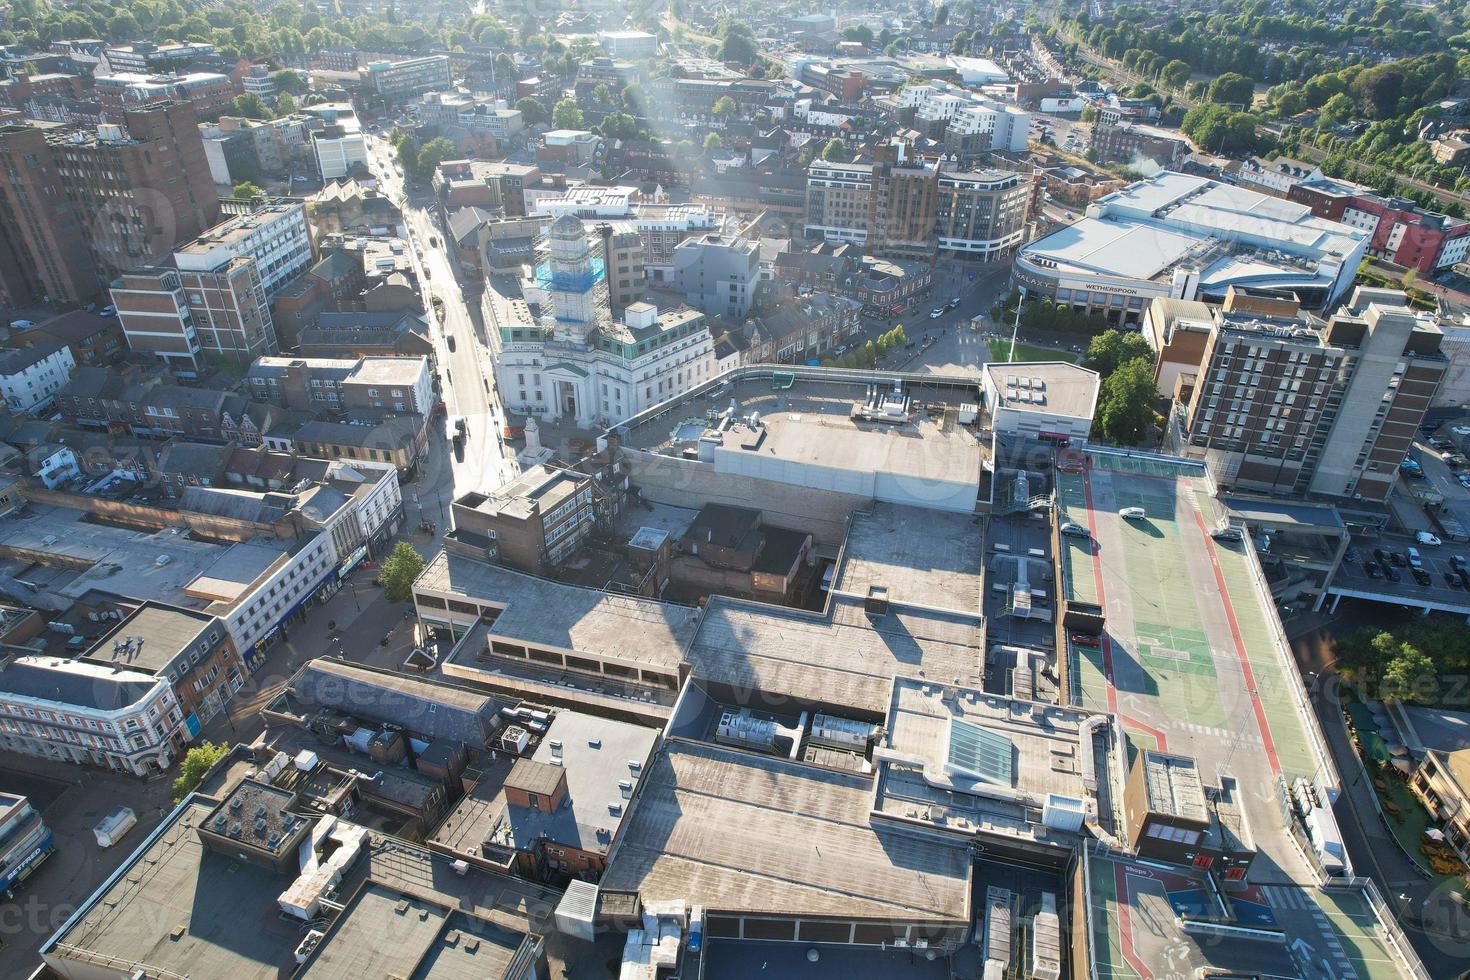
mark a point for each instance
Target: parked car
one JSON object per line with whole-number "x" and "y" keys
{"x": 1458, "y": 562}
{"x": 1133, "y": 513}
{"x": 1392, "y": 574}
{"x": 108, "y": 310}
{"x": 1075, "y": 530}
{"x": 1085, "y": 640}
{"x": 1452, "y": 579}
{"x": 1421, "y": 576}
{"x": 1397, "y": 559}
{"x": 1371, "y": 569}
{"x": 1424, "y": 537}
{"x": 1381, "y": 555}
{"x": 1415, "y": 559}
{"x": 1226, "y": 534}
{"x": 953, "y": 303}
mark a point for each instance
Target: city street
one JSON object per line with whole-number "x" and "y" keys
{"x": 459, "y": 341}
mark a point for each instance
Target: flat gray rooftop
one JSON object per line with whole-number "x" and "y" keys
{"x": 843, "y": 658}
{"x": 809, "y": 423}
{"x": 538, "y": 612}
{"x": 123, "y": 562}
{"x": 381, "y": 933}
{"x": 1043, "y": 750}
{"x": 924, "y": 556}
{"x": 739, "y": 832}
{"x": 227, "y": 910}
{"x": 166, "y": 633}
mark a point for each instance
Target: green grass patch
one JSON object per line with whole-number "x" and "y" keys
{"x": 1000, "y": 351}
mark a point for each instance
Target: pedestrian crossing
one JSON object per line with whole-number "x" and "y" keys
{"x": 1326, "y": 943}
{"x": 1221, "y": 734}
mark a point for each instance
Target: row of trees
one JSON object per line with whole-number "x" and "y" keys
{"x": 1410, "y": 662}
{"x": 867, "y": 355}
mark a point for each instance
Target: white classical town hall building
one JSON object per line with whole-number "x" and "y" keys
{"x": 576, "y": 361}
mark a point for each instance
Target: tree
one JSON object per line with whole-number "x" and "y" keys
{"x": 1174, "y": 74}
{"x": 246, "y": 190}
{"x": 505, "y": 66}
{"x": 723, "y": 108}
{"x": 289, "y": 81}
{"x": 196, "y": 765}
{"x": 1231, "y": 88}
{"x": 618, "y": 126}
{"x": 737, "y": 44}
{"x": 1337, "y": 109}
{"x": 433, "y": 153}
{"x": 861, "y": 33}
{"x": 1409, "y": 676}
{"x": 1112, "y": 348}
{"x": 1125, "y": 403}
{"x": 400, "y": 571}
{"x": 532, "y": 111}
{"x": 566, "y": 115}
{"x": 250, "y": 105}
{"x": 633, "y": 98}
{"x": 836, "y": 151}
{"x": 122, "y": 26}
{"x": 408, "y": 157}
{"x": 285, "y": 104}
{"x": 713, "y": 142}
{"x": 602, "y": 94}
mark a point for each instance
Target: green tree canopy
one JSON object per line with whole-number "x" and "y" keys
{"x": 400, "y": 571}
{"x": 196, "y": 765}
{"x": 723, "y": 108}
{"x": 836, "y": 151}
{"x": 713, "y": 142}
{"x": 861, "y": 33}
{"x": 433, "y": 153}
{"x": 532, "y": 111}
{"x": 246, "y": 189}
{"x": 1125, "y": 403}
{"x": 251, "y": 106}
{"x": 1112, "y": 348}
{"x": 1231, "y": 88}
{"x": 566, "y": 115}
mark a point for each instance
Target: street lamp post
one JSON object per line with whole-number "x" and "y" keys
{"x": 1016, "y": 327}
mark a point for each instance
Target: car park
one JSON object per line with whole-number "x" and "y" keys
{"x": 1133, "y": 513}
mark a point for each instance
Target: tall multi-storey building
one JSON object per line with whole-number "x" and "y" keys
{"x": 142, "y": 56}
{"x": 905, "y": 202}
{"x": 275, "y": 235}
{"x": 339, "y": 144}
{"x": 907, "y": 209}
{"x": 395, "y": 81}
{"x": 982, "y": 214}
{"x": 213, "y": 299}
{"x": 1287, "y": 404}
{"x": 839, "y": 201}
{"x": 210, "y": 93}
{"x": 186, "y": 316}
{"x": 82, "y": 205}
{"x": 718, "y": 273}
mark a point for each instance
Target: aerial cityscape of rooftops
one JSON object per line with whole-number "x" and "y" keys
{"x": 950, "y": 490}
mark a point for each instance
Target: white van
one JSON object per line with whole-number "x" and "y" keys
{"x": 1133, "y": 513}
